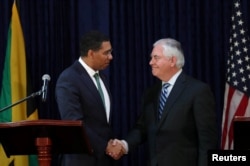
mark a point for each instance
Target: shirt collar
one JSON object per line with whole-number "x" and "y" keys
{"x": 173, "y": 78}
{"x": 89, "y": 70}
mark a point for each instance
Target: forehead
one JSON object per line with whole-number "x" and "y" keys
{"x": 157, "y": 50}
{"x": 106, "y": 45}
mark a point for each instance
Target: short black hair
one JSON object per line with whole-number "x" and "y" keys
{"x": 92, "y": 40}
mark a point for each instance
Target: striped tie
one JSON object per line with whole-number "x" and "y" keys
{"x": 163, "y": 98}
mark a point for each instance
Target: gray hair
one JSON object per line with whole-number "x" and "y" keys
{"x": 171, "y": 48}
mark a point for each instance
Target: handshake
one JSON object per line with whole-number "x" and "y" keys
{"x": 116, "y": 149}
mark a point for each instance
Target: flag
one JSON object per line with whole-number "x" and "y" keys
{"x": 15, "y": 86}
{"x": 237, "y": 88}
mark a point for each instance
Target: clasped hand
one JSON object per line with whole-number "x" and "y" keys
{"x": 115, "y": 149}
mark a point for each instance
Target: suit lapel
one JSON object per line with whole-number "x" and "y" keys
{"x": 88, "y": 82}
{"x": 179, "y": 86}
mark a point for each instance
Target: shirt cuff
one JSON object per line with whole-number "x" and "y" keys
{"x": 125, "y": 146}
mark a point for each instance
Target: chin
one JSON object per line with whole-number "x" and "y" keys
{"x": 154, "y": 73}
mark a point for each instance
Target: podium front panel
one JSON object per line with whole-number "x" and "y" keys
{"x": 19, "y": 138}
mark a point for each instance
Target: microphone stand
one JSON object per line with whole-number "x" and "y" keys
{"x": 38, "y": 93}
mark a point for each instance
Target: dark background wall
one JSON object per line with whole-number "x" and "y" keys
{"x": 52, "y": 29}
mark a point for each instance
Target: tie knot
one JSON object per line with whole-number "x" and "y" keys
{"x": 165, "y": 85}
{"x": 96, "y": 75}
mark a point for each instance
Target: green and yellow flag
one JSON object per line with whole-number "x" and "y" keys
{"x": 15, "y": 87}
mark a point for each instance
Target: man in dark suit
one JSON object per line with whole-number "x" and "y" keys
{"x": 182, "y": 133}
{"x": 82, "y": 93}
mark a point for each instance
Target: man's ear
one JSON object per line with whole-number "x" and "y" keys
{"x": 173, "y": 61}
{"x": 91, "y": 53}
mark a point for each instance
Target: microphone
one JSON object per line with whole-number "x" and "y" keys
{"x": 46, "y": 79}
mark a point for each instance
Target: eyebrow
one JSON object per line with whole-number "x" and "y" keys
{"x": 108, "y": 51}
{"x": 155, "y": 56}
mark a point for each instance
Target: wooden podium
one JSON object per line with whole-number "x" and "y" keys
{"x": 241, "y": 134}
{"x": 44, "y": 138}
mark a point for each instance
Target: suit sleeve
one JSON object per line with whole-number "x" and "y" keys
{"x": 206, "y": 122}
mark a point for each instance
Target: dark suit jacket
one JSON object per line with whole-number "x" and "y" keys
{"x": 186, "y": 130}
{"x": 79, "y": 99}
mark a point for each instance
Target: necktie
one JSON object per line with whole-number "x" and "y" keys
{"x": 97, "y": 78}
{"x": 163, "y": 98}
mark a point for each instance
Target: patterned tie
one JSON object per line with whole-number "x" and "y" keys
{"x": 97, "y": 78}
{"x": 163, "y": 98}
